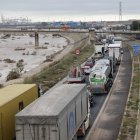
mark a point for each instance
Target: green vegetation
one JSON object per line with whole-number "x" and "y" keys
{"x": 16, "y": 72}
{"x": 59, "y": 69}
{"x": 13, "y": 74}
{"x": 20, "y": 65}
{"x": 1, "y": 85}
{"x": 7, "y": 60}
{"x": 135, "y": 25}
{"x": 129, "y": 122}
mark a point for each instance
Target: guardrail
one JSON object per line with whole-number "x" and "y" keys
{"x": 68, "y": 31}
{"x": 44, "y": 30}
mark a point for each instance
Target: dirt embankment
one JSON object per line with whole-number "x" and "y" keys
{"x": 74, "y": 41}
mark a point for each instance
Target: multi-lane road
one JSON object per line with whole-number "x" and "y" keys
{"x": 107, "y": 124}
{"x": 106, "y": 115}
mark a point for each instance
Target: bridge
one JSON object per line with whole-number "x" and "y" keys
{"x": 118, "y": 32}
{"x": 39, "y": 31}
{"x": 44, "y": 31}
{"x": 91, "y": 33}
{"x": 67, "y": 31}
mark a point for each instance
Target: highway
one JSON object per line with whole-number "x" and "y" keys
{"x": 107, "y": 126}
{"x": 108, "y": 122}
{"x": 99, "y": 101}
{"x": 104, "y": 125}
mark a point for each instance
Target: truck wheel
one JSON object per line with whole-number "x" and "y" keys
{"x": 107, "y": 87}
{"x": 75, "y": 137}
{"x": 107, "y": 90}
{"x": 84, "y": 81}
{"x": 91, "y": 104}
{"x": 110, "y": 83}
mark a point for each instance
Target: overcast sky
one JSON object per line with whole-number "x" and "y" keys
{"x": 54, "y": 10}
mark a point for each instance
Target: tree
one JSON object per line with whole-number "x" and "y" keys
{"x": 13, "y": 74}
{"x": 44, "y": 23}
{"x": 135, "y": 25}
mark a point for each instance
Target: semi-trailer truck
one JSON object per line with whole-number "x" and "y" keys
{"x": 114, "y": 52}
{"x": 100, "y": 77}
{"x": 59, "y": 114}
{"x": 76, "y": 75}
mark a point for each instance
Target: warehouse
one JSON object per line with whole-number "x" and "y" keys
{"x": 14, "y": 98}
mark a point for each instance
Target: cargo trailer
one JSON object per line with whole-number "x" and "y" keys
{"x": 114, "y": 51}
{"x": 100, "y": 77}
{"x": 76, "y": 75}
{"x": 99, "y": 48}
{"x": 14, "y": 98}
{"x": 56, "y": 115}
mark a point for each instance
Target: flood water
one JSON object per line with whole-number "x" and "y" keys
{"x": 17, "y": 47}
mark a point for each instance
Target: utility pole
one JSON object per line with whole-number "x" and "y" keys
{"x": 120, "y": 11}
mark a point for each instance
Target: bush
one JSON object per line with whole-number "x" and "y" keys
{"x": 1, "y": 85}
{"x": 13, "y": 74}
{"x": 20, "y": 65}
{"x": 8, "y": 61}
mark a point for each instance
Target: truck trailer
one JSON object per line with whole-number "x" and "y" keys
{"x": 76, "y": 75}
{"x": 100, "y": 77}
{"x": 114, "y": 52}
{"x": 14, "y": 98}
{"x": 98, "y": 48}
{"x": 89, "y": 63}
{"x": 59, "y": 114}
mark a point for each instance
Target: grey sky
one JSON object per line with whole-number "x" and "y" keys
{"x": 37, "y": 9}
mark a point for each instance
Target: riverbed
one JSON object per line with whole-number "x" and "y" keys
{"x": 15, "y": 47}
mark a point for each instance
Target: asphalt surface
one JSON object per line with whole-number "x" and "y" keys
{"x": 107, "y": 127}
{"x": 99, "y": 101}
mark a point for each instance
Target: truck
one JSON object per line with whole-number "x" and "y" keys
{"x": 76, "y": 75}
{"x": 114, "y": 52}
{"x": 99, "y": 48}
{"x": 59, "y": 114}
{"x": 89, "y": 63}
{"x": 100, "y": 78}
{"x": 14, "y": 98}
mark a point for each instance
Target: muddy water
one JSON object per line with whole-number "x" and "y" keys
{"x": 25, "y": 44}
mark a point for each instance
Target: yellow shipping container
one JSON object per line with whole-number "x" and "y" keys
{"x": 14, "y": 98}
